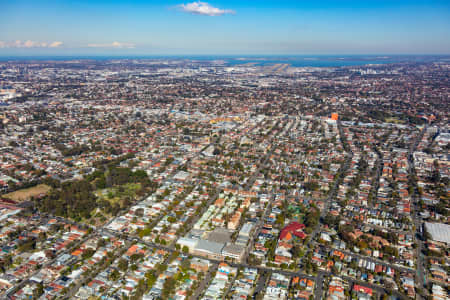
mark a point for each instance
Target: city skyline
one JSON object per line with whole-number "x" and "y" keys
{"x": 224, "y": 28}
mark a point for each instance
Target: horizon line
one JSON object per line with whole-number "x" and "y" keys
{"x": 221, "y": 55}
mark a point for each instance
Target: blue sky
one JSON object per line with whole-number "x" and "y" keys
{"x": 41, "y": 27}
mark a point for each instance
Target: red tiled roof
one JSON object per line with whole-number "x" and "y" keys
{"x": 362, "y": 289}
{"x": 294, "y": 228}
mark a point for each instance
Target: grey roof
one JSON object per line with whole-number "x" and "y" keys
{"x": 439, "y": 232}
{"x": 208, "y": 246}
{"x": 233, "y": 249}
{"x": 220, "y": 235}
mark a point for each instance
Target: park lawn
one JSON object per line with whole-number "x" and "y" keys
{"x": 112, "y": 195}
{"x": 115, "y": 194}
{"x": 26, "y": 194}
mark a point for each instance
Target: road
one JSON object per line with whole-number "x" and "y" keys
{"x": 318, "y": 293}
{"x": 420, "y": 278}
{"x": 262, "y": 281}
{"x": 205, "y": 282}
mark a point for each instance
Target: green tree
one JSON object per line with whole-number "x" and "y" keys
{"x": 123, "y": 265}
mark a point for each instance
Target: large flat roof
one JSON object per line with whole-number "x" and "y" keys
{"x": 439, "y": 232}
{"x": 211, "y": 247}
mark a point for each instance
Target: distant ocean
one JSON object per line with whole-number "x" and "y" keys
{"x": 295, "y": 61}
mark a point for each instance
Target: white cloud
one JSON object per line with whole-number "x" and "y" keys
{"x": 55, "y": 44}
{"x": 113, "y": 45}
{"x": 203, "y": 8}
{"x": 30, "y": 44}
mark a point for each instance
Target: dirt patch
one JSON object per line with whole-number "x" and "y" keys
{"x": 26, "y": 194}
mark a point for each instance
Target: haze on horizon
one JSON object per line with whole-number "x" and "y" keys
{"x": 100, "y": 27}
